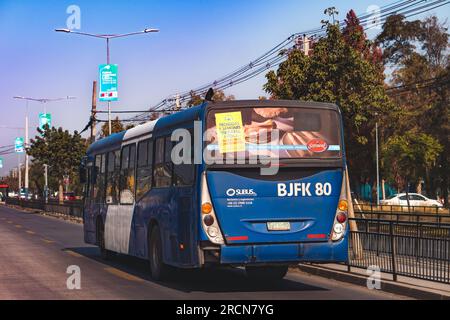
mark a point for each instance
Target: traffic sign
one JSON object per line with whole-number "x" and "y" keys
{"x": 45, "y": 119}
{"x": 18, "y": 145}
{"x": 1, "y": 162}
{"x": 108, "y": 82}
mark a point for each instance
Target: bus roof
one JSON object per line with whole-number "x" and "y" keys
{"x": 273, "y": 103}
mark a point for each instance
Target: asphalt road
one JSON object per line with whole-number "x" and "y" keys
{"x": 36, "y": 250}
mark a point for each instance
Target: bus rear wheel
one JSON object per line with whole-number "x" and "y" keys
{"x": 271, "y": 273}
{"x": 158, "y": 269}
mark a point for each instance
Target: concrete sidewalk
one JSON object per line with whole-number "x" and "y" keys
{"x": 411, "y": 287}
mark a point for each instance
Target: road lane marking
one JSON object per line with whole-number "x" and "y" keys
{"x": 47, "y": 241}
{"x": 73, "y": 253}
{"x": 18, "y": 226}
{"x": 9, "y": 221}
{"x": 122, "y": 274}
{"x": 30, "y": 232}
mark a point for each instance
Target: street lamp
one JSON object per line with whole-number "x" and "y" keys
{"x": 43, "y": 101}
{"x": 107, "y": 37}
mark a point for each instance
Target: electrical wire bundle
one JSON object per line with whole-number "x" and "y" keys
{"x": 278, "y": 54}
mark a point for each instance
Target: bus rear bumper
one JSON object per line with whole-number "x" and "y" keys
{"x": 285, "y": 253}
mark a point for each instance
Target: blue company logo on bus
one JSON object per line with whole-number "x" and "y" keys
{"x": 304, "y": 189}
{"x": 240, "y": 192}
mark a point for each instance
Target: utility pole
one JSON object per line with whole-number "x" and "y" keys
{"x": 26, "y": 153}
{"x": 46, "y": 183}
{"x": 306, "y": 42}
{"x": 93, "y": 110}
{"x": 377, "y": 158}
{"x": 20, "y": 174}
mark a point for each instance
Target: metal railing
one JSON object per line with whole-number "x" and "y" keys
{"x": 70, "y": 208}
{"x": 409, "y": 245}
{"x": 373, "y": 208}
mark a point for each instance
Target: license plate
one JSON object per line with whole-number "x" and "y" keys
{"x": 278, "y": 226}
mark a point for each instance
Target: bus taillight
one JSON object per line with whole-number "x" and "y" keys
{"x": 209, "y": 220}
{"x": 340, "y": 220}
{"x": 341, "y": 217}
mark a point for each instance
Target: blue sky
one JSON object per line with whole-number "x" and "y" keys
{"x": 199, "y": 41}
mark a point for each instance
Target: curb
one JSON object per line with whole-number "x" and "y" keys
{"x": 60, "y": 216}
{"x": 386, "y": 285}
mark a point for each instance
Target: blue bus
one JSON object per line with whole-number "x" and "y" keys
{"x": 261, "y": 185}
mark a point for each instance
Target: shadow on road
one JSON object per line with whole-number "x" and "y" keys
{"x": 213, "y": 280}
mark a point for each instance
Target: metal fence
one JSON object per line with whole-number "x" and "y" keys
{"x": 374, "y": 208}
{"x": 412, "y": 245}
{"x": 70, "y": 208}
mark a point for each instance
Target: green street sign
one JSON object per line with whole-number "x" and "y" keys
{"x": 108, "y": 82}
{"x": 45, "y": 119}
{"x": 1, "y": 162}
{"x": 18, "y": 145}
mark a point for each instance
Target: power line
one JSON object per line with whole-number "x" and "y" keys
{"x": 275, "y": 56}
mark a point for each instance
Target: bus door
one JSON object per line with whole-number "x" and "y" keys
{"x": 177, "y": 181}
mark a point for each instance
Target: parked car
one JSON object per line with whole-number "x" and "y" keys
{"x": 415, "y": 200}
{"x": 69, "y": 196}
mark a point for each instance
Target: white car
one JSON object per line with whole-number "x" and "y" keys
{"x": 415, "y": 200}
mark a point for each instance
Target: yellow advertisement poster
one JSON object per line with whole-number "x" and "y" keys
{"x": 230, "y": 132}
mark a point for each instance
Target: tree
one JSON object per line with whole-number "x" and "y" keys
{"x": 409, "y": 156}
{"x": 418, "y": 54}
{"x": 60, "y": 150}
{"x": 195, "y": 99}
{"x": 336, "y": 72}
{"x": 116, "y": 126}
{"x": 397, "y": 38}
{"x": 219, "y": 95}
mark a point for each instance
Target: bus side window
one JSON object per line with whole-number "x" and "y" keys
{"x": 131, "y": 176}
{"x": 126, "y": 194}
{"x": 112, "y": 175}
{"x": 98, "y": 178}
{"x": 144, "y": 168}
{"x": 163, "y": 164}
{"x": 88, "y": 184}
{"x": 183, "y": 174}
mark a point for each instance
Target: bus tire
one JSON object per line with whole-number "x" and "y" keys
{"x": 158, "y": 269}
{"x": 271, "y": 273}
{"x": 104, "y": 253}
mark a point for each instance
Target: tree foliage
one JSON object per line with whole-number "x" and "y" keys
{"x": 116, "y": 126}
{"x": 340, "y": 70}
{"x": 410, "y": 155}
{"x": 219, "y": 95}
{"x": 417, "y": 52}
{"x": 60, "y": 150}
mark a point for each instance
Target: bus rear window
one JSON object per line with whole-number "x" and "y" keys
{"x": 285, "y": 133}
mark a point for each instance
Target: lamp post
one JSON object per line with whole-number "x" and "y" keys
{"x": 44, "y": 101}
{"x": 108, "y": 37}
